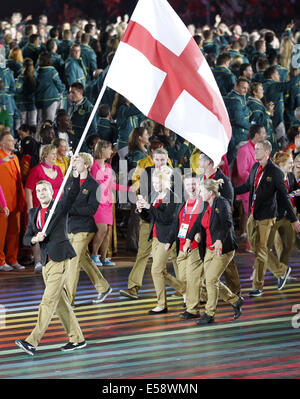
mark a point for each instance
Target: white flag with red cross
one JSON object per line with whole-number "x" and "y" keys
{"x": 161, "y": 70}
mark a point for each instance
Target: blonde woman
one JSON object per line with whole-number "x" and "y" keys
{"x": 214, "y": 232}
{"x": 160, "y": 214}
{"x": 15, "y": 61}
{"x": 286, "y": 51}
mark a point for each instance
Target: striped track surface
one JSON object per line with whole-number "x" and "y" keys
{"x": 124, "y": 342}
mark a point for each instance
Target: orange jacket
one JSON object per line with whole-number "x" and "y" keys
{"x": 11, "y": 182}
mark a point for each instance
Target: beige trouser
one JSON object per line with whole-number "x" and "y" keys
{"x": 284, "y": 239}
{"x": 80, "y": 242}
{"x": 232, "y": 278}
{"x": 135, "y": 279}
{"x": 258, "y": 232}
{"x": 214, "y": 267}
{"x": 55, "y": 300}
{"x": 160, "y": 275}
{"x": 190, "y": 269}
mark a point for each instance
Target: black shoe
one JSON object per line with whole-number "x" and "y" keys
{"x": 152, "y": 312}
{"x": 21, "y": 343}
{"x": 238, "y": 308}
{"x": 184, "y": 305}
{"x": 255, "y": 293}
{"x": 205, "y": 319}
{"x": 129, "y": 294}
{"x": 101, "y": 297}
{"x": 187, "y": 315}
{"x": 71, "y": 346}
{"x": 282, "y": 280}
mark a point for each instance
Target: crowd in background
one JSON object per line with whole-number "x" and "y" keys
{"x": 50, "y": 77}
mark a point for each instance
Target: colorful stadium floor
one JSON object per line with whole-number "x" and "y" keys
{"x": 124, "y": 342}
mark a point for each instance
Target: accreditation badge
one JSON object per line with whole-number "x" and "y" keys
{"x": 183, "y": 230}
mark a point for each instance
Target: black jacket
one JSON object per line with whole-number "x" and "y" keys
{"x": 84, "y": 207}
{"x": 221, "y": 226}
{"x": 272, "y": 183}
{"x": 226, "y": 190}
{"x": 162, "y": 216}
{"x": 281, "y": 211}
{"x": 56, "y": 243}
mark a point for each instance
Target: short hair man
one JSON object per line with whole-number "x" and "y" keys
{"x": 265, "y": 182}
{"x": 56, "y": 252}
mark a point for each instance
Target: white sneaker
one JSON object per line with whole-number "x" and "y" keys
{"x": 38, "y": 267}
{"x": 5, "y": 268}
{"x": 17, "y": 266}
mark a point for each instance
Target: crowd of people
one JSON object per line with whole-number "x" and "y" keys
{"x": 179, "y": 204}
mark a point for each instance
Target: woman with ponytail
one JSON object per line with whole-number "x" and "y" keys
{"x": 214, "y": 232}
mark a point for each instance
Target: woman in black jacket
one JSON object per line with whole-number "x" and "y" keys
{"x": 160, "y": 215}
{"x": 214, "y": 231}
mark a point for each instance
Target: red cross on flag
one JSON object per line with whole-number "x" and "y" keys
{"x": 161, "y": 70}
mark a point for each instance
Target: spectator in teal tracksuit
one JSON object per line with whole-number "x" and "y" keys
{"x": 75, "y": 70}
{"x": 88, "y": 56}
{"x": 235, "y": 50}
{"x": 210, "y": 45}
{"x": 57, "y": 61}
{"x": 94, "y": 87}
{"x": 9, "y": 106}
{"x": 25, "y": 94}
{"x": 128, "y": 117}
{"x": 32, "y": 49}
{"x": 65, "y": 45}
{"x": 291, "y": 102}
{"x": 261, "y": 65}
{"x": 79, "y": 109}
{"x": 106, "y": 129}
{"x": 7, "y": 77}
{"x": 137, "y": 147}
{"x": 14, "y": 66}
{"x": 274, "y": 91}
{"x": 9, "y": 88}
{"x": 224, "y": 77}
{"x": 49, "y": 89}
{"x": 28, "y": 31}
{"x": 261, "y": 114}
{"x": 239, "y": 114}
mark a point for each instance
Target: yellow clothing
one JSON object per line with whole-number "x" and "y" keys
{"x": 194, "y": 159}
{"x": 63, "y": 164}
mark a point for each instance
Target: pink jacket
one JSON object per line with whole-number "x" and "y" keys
{"x": 245, "y": 159}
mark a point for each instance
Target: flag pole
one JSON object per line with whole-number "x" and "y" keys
{"x": 52, "y": 210}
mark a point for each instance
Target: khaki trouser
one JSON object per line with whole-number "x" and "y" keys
{"x": 190, "y": 269}
{"x": 232, "y": 278}
{"x": 135, "y": 279}
{"x": 284, "y": 239}
{"x": 160, "y": 275}
{"x": 258, "y": 232}
{"x": 80, "y": 242}
{"x": 55, "y": 300}
{"x": 214, "y": 267}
